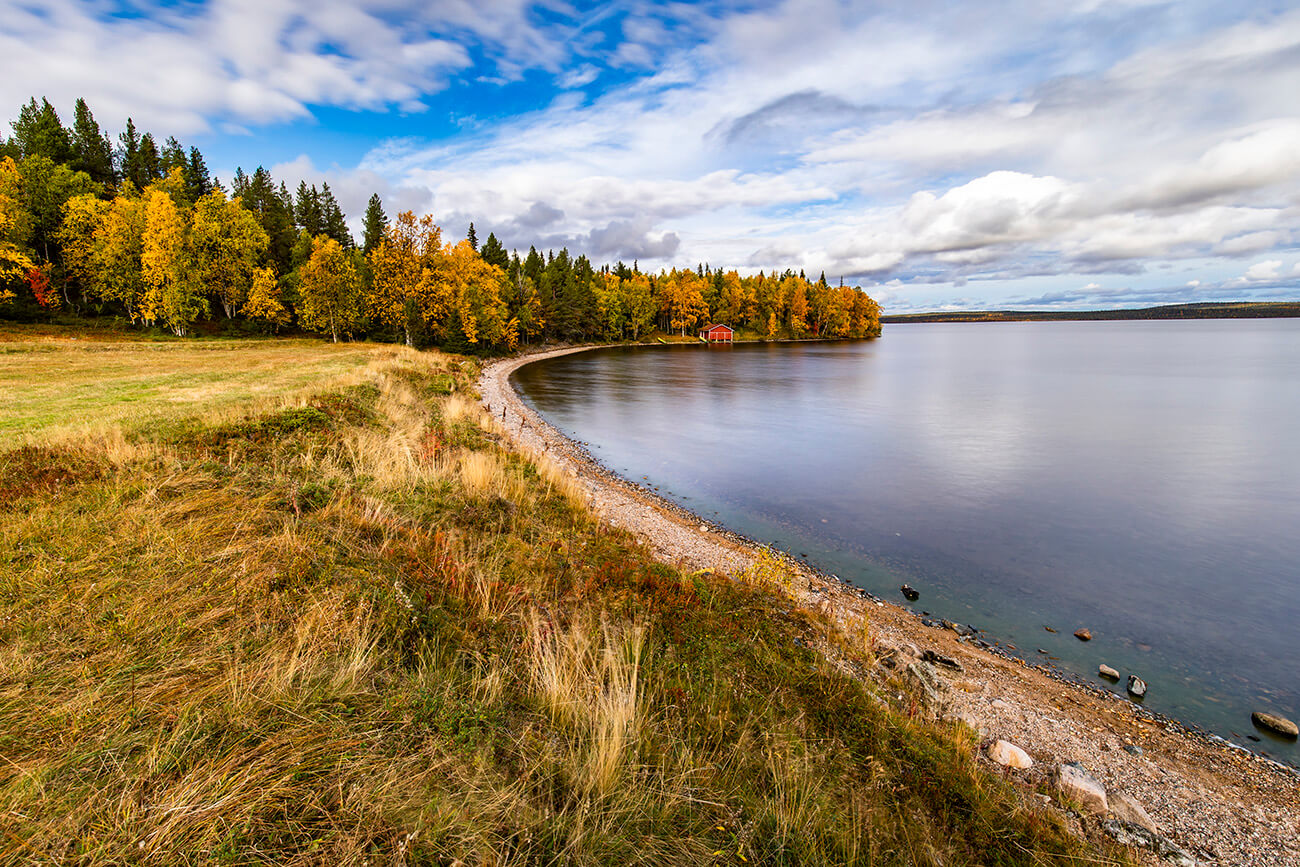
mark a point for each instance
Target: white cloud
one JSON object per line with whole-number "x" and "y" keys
{"x": 1263, "y": 271}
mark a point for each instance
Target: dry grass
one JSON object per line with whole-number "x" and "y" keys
{"x": 344, "y": 626}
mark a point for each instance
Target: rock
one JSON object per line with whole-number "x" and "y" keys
{"x": 909, "y": 593}
{"x": 1075, "y": 785}
{"x": 1274, "y": 723}
{"x": 1137, "y": 686}
{"x": 1130, "y": 834}
{"x": 1107, "y": 672}
{"x": 704, "y": 528}
{"x": 936, "y": 659}
{"x": 927, "y": 683}
{"x": 1133, "y": 749}
{"x": 1126, "y": 809}
{"x": 1009, "y": 755}
{"x": 1083, "y": 635}
{"x": 959, "y": 628}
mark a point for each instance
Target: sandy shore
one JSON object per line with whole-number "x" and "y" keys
{"x": 1219, "y": 804}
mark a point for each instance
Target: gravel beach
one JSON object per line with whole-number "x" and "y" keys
{"x": 1203, "y": 801}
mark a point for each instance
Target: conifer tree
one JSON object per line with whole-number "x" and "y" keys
{"x": 472, "y": 237}
{"x": 333, "y": 221}
{"x": 493, "y": 253}
{"x": 94, "y": 152}
{"x": 375, "y": 224}
{"x": 129, "y": 155}
{"x": 150, "y": 164}
{"x": 198, "y": 183}
{"x": 307, "y": 211}
{"x": 39, "y": 132}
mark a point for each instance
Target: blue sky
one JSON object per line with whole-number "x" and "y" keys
{"x": 1019, "y": 154}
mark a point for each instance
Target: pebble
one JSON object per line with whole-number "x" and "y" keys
{"x": 1009, "y": 755}
{"x": 1137, "y": 686}
{"x": 1083, "y": 635}
{"x": 1274, "y": 723}
{"x": 1106, "y": 671}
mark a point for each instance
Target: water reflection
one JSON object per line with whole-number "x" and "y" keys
{"x": 1138, "y": 478}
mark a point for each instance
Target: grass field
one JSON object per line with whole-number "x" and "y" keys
{"x": 288, "y": 603}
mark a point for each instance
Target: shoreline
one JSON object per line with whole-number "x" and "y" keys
{"x": 1218, "y": 801}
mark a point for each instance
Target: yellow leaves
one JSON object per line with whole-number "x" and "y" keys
{"x": 171, "y": 293}
{"x": 405, "y": 292}
{"x": 264, "y": 304}
{"x": 330, "y": 290}
{"x": 227, "y": 244}
{"x": 13, "y": 262}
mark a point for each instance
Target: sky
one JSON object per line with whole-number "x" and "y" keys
{"x": 1043, "y": 155}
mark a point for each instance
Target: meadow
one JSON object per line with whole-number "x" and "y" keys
{"x": 282, "y": 602}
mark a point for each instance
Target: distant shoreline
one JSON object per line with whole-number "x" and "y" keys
{"x": 1221, "y": 310}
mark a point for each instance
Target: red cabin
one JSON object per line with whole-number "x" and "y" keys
{"x": 718, "y": 334}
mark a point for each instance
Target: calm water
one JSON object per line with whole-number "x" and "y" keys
{"x": 1141, "y": 479}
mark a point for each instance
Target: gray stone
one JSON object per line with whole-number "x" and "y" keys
{"x": 1009, "y": 755}
{"x": 1137, "y": 686}
{"x": 1127, "y": 809}
{"x": 927, "y": 683}
{"x": 1106, "y": 671}
{"x": 937, "y": 659}
{"x": 1076, "y": 785}
{"x": 1129, "y": 834}
{"x": 1274, "y": 723}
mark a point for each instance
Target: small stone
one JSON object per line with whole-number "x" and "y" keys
{"x": 1107, "y": 672}
{"x": 1137, "y": 686}
{"x": 1083, "y": 635}
{"x": 909, "y": 593}
{"x": 1133, "y": 749}
{"x": 1274, "y": 723}
{"x": 937, "y": 659}
{"x": 1009, "y": 755}
{"x": 1075, "y": 785}
{"x": 1128, "y": 810}
{"x": 704, "y": 528}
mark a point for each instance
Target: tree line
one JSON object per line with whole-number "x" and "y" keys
{"x": 146, "y": 233}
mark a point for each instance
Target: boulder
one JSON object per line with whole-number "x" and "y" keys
{"x": 1130, "y": 834}
{"x": 938, "y": 659}
{"x": 927, "y": 683}
{"x": 1076, "y": 785}
{"x": 1009, "y": 755}
{"x": 1274, "y": 723}
{"x": 1137, "y": 686}
{"x": 1127, "y": 809}
{"x": 909, "y": 594}
{"x": 1107, "y": 672}
{"x": 1083, "y": 635}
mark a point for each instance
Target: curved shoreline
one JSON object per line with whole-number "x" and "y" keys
{"x": 1217, "y": 800}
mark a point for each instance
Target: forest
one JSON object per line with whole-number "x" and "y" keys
{"x": 146, "y": 235}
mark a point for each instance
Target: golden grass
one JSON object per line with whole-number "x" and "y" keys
{"x": 378, "y": 637}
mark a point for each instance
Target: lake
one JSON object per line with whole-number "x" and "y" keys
{"x": 1140, "y": 479}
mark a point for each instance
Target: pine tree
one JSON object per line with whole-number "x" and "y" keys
{"x": 198, "y": 183}
{"x": 150, "y": 164}
{"x": 39, "y": 132}
{"x": 173, "y": 156}
{"x": 239, "y": 185}
{"x": 493, "y": 253}
{"x": 333, "y": 221}
{"x": 306, "y": 209}
{"x": 129, "y": 155}
{"x": 94, "y": 152}
{"x": 375, "y": 224}
{"x": 472, "y": 237}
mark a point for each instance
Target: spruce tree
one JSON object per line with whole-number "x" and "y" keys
{"x": 333, "y": 221}
{"x": 150, "y": 165}
{"x": 306, "y": 210}
{"x": 129, "y": 155}
{"x": 198, "y": 183}
{"x": 493, "y": 253}
{"x": 94, "y": 150}
{"x": 375, "y": 224}
{"x": 39, "y": 132}
{"x": 472, "y": 237}
{"x": 173, "y": 156}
